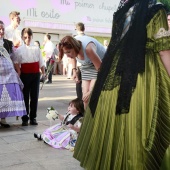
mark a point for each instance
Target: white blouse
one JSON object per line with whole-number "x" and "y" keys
{"x": 49, "y": 49}
{"x": 12, "y": 34}
{"x": 29, "y": 54}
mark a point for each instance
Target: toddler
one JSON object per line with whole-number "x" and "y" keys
{"x": 64, "y": 134}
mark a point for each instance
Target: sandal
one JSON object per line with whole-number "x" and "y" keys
{"x": 5, "y": 125}
{"x": 38, "y": 136}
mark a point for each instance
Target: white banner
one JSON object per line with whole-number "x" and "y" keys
{"x": 96, "y": 13}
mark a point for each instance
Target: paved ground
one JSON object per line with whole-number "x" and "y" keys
{"x": 19, "y": 150}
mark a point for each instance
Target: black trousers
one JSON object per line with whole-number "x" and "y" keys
{"x": 50, "y": 73}
{"x": 31, "y": 93}
{"x": 79, "y": 85}
{"x": 79, "y": 90}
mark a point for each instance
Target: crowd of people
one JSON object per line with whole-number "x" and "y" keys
{"x": 123, "y": 87}
{"x": 26, "y": 60}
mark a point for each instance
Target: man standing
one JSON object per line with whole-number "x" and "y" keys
{"x": 57, "y": 69}
{"x": 48, "y": 49}
{"x": 80, "y": 28}
{"x": 12, "y": 32}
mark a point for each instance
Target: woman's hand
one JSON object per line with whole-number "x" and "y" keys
{"x": 78, "y": 81}
{"x": 73, "y": 62}
{"x": 86, "y": 97}
{"x": 75, "y": 78}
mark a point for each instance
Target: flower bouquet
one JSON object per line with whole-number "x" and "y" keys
{"x": 50, "y": 67}
{"x": 52, "y": 114}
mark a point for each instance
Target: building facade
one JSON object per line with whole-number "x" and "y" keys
{"x": 58, "y": 17}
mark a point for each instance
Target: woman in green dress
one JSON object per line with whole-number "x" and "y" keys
{"x": 127, "y": 123}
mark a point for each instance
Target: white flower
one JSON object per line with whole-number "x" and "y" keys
{"x": 52, "y": 114}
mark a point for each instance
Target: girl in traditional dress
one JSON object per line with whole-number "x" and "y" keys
{"x": 30, "y": 59}
{"x": 131, "y": 97}
{"x": 64, "y": 134}
{"x": 11, "y": 97}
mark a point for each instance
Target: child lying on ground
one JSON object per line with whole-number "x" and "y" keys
{"x": 64, "y": 134}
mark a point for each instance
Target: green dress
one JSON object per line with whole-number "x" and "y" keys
{"x": 137, "y": 140}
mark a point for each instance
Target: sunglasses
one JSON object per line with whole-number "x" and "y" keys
{"x": 65, "y": 44}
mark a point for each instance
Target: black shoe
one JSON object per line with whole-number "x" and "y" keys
{"x": 37, "y": 136}
{"x": 25, "y": 123}
{"x": 33, "y": 122}
{"x": 48, "y": 82}
{"x": 5, "y": 125}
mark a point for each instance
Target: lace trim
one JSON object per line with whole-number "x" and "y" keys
{"x": 5, "y": 53}
{"x": 7, "y": 105}
{"x": 162, "y": 33}
{"x": 1, "y": 42}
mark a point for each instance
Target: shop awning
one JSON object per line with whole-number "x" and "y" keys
{"x": 64, "y": 26}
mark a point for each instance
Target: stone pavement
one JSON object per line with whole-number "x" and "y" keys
{"x": 19, "y": 150}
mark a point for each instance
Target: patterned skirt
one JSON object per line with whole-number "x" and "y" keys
{"x": 139, "y": 140}
{"x": 88, "y": 72}
{"x": 11, "y": 101}
{"x": 60, "y": 137}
